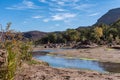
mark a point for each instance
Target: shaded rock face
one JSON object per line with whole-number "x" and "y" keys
{"x": 110, "y": 17}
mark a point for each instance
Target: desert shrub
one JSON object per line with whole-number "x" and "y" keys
{"x": 17, "y": 51}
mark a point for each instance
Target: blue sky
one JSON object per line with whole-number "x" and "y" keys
{"x": 53, "y": 15}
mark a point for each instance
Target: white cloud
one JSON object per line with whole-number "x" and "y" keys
{"x": 83, "y": 6}
{"x": 67, "y": 5}
{"x": 60, "y": 16}
{"x": 24, "y": 5}
{"x": 46, "y": 20}
{"x": 94, "y": 14}
{"x": 59, "y": 9}
{"x": 63, "y": 16}
{"x": 37, "y": 17}
{"x": 61, "y": 3}
{"x": 42, "y": 1}
{"x": 74, "y": 1}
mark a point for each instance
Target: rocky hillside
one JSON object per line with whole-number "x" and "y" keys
{"x": 34, "y": 35}
{"x": 110, "y": 17}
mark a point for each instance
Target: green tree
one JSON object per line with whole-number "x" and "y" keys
{"x": 72, "y": 35}
{"x": 84, "y": 34}
{"x": 112, "y": 31}
{"x": 52, "y": 38}
{"x": 98, "y": 33}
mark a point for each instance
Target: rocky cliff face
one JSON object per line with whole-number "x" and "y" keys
{"x": 110, "y": 17}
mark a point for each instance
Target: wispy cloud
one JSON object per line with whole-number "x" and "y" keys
{"x": 93, "y": 14}
{"x": 63, "y": 16}
{"x": 37, "y": 17}
{"x": 83, "y": 6}
{"x": 60, "y": 9}
{"x": 46, "y": 20}
{"x": 61, "y": 3}
{"x": 60, "y": 17}
{"x": 73, "y": 1}
{"x": 24, "y": 5}
{"x": 42, "y": 1}
{"x": 57, "y": 9}
{"x": 67, "y": 5}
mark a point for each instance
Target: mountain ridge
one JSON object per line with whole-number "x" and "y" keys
{"x": 110, "y": 17}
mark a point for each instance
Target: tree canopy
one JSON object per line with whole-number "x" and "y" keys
{"x": 97, "y": 33}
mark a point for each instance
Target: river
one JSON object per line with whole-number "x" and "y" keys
{"x": 60, "y": 61}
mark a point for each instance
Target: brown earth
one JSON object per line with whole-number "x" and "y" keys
{"x": 40, "y": 72}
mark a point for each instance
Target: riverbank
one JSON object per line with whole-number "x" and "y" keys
{"x": 45, "y": 72}
{"x": 42, "y": 72}
{"x": 102, "y": 54}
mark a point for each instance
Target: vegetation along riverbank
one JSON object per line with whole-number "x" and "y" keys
{"x": 99, "y": 42}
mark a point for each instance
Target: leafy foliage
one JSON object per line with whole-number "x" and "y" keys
{"x": 100, "y": 33}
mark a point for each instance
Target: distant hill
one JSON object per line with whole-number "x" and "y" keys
{"x": 34, "y": 35}
{"x": 110, "y": 17}
{"x": 83, "y": 27}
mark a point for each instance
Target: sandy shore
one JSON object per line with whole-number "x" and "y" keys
{"x": 101, "y": 54}
{"x": 41, "y": 72}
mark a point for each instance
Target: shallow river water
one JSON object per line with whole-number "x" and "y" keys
{"x": 75, "y": 63}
